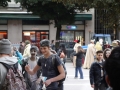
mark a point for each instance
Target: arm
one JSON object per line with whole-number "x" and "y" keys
{"x": 76, "y": 54}
{"x": 32, "y": 72}
{"x": 19, "y": 55}
{"x": 91, "y": 74}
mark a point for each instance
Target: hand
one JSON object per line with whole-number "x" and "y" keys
{"x": 38, "y": 81}
{"x": 27, "y": 67}
{"x": 47, "y": 82}
{"x": 92, "y": 86}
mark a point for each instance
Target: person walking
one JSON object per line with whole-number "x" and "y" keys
{"x": 97, "y": 73}
{"x": 90, "y": 55}
{"x": 79, "y": 55}
{"x": 75, "y": 50}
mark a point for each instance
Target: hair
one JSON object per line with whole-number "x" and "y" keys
{"x": 118, "y": 43}
{"x": 34, "y": 48}
{"x": 104, "y": 53}
{"x": 99, "y": 51}
{"x": 45, "y": 42}
{"x": 78, "y": 41}
{"x": 52, "y": 41}
{"x": 62, "y": 47}
{"x": 112, "y": 68}
{"x": 81, "y": 49}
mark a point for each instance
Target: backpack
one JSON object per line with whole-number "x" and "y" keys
{"x": 14, "y": 79}
{"x": 53, "y": 61}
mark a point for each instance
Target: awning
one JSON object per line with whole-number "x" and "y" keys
{"x": 26, "y": 16}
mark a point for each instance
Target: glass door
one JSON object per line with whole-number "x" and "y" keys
{"x": 79, "y": 35}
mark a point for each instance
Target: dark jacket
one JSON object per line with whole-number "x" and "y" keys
{"x": 21, "y": 49}
{"x": 79, "y": 56}
{"x": 95, "y": 74}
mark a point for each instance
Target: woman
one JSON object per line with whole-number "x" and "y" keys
{"x": 106, "y": 53}
{"x": 62, "y": 50}
{"x": 79, "y": 55}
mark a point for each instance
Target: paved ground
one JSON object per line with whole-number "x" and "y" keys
{"x": 76, "y": 84}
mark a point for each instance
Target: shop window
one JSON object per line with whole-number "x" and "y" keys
{"x": 67, "y": 35}
{"x": 35, "y": 22}
{"x": 3, "y": 34}
{"x": 29, "y": 35}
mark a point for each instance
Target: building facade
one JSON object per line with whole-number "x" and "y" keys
{"x": 18, "y": 25}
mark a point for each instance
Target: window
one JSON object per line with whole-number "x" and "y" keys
{"x": 3, "y": 34}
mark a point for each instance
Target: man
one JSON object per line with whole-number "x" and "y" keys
{"x": 45, "y": 62}
{"x": 97, "y": 73}
{"x": 112, "y": 68}
{"x": 21, "y": 48}
{"x": 27, "y": 49}
{"x": 90, "y": 54}
{"x": 5, "y": 52}
{"x": 32, "y": 80}
{"x": 52, "y": 45}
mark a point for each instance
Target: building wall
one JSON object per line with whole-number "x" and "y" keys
{"x": 89, "y": 26}
{"x": 15, "y": 30}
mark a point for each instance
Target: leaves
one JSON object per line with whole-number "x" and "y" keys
{"x": 4, "y": 3}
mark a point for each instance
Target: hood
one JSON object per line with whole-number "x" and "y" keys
{"x": 8, "y": 60}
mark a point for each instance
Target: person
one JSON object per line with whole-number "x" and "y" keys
{"x": 106, "y": 53}
{"x": 53, "y": 45}
{"x": 78, "y": 67}
{"x": 98, "y": 46}
{"x": 97, "y": 73}
{"x": 48, "y": 70}
{"x": 112, "y": 68}
{"x": 90, "y": 55}
{"x": 5, "y": 52}
{"x": 33, "y": 81}
{"x": 62, "y": 49}
{"x": 27, "y": 49}
{"x": 21, "y": 48}
{"x": 75, "y": 50}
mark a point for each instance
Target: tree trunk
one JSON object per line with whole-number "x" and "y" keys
{"x": 58, "y": 36}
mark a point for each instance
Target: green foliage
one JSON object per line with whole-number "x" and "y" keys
{"x": 4, "y": 3}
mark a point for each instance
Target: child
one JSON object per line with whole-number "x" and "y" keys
{"x": 97, "y": 73}
{"x": 79, "y": 56}
{"x": 32, "y": 80}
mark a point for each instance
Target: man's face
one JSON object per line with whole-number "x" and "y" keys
{"x": 100, "y": 56}
{"x": 33, "y": 52}
{"x": 45, "y": 50}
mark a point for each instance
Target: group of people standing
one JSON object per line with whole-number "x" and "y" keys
{"x": 47, "y": 69}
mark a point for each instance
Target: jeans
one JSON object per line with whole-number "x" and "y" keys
{"x": 80, "y": 71}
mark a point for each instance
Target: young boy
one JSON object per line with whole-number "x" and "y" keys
{"x": 97, "y": 73}
{"x": 32, "y": 80}
{"x": 48, "y": 70}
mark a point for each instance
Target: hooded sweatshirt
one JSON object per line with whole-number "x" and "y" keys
{"x": 3, "y": 71}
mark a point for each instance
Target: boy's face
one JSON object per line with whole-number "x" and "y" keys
{"x": 45, "y": 50}
{"x": 33, "y": 52}
{"x": 100, "y": 56}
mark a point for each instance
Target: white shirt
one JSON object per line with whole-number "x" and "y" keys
{"x": 32, "y": 64}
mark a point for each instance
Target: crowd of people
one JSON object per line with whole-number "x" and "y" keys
{"x": 23, "y": 69}
{"x": 103, "y": 64}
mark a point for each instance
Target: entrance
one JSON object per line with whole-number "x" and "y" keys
{"x": 79, "y": 36}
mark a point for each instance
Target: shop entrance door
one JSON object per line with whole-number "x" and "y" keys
{"x": 79, "y": 35}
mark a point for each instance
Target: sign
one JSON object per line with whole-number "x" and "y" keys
{"x": 71, "y": 27}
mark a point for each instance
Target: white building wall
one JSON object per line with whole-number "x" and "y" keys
{"x": 89, "y": 26}
{"x": 52, "y": 30}
{"x": 15, "y": 30}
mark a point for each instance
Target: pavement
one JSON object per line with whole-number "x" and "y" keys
{"x": 76, "y": 84}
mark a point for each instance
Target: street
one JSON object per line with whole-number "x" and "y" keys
{"x": 76, "y": 84}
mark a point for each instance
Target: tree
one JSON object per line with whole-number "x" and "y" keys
{"x": 4, "y": 3}
{"x": 109, "y": 12}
